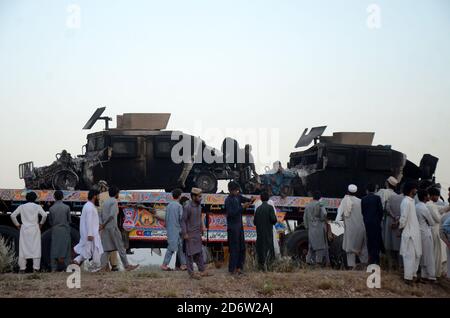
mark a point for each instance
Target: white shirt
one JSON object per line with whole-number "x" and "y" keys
{"x": 89, "y": 226}
{"x": 410, "y": 225}
{"x": 30, "y": 233}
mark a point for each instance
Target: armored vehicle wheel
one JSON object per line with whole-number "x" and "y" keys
{"x": 207, "y": 182}
{"x": 65, "y": 180}
{"x": 338, "y": 257}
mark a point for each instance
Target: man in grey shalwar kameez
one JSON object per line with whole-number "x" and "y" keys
{"x": 174, "y": 213}
{"x": 192, "y": 229}
{"x": 385, "y": 194}
{"x": 354, "y": 230}
{"x": 59, "y": 220}
{"x": 315, "y": 221}
{"x": 388, "y": 220}
{"x": 393, "y": 237}
{"x": 110, "y": 233}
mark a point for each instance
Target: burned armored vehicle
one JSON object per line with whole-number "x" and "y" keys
{"x": 334, "y": 162}
{"x": 136, "y": 155}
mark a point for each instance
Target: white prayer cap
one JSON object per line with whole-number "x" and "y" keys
{"x": 352, "y": 188}
{"x": 392, "y": 181}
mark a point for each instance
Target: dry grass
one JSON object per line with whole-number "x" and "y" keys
{"x": 282, "y": 265}
{"x": 325, "y": 285}
{"x": 34, "y": 276}
{"x": 152, "y": 275}
{"x": 150, "y": 283}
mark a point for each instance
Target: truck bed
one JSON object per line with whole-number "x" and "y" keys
{"x": 144, "y": 211}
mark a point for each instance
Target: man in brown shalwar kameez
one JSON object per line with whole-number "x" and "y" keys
{"x": 192, "y": 229}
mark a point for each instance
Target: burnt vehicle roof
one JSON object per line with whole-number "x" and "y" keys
{"x": 359, "y": 164}
{"x": 340, "y": 146}
{"x": 134, "y": 132}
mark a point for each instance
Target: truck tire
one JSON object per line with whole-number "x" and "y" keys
{"x": 207, "y": 182}
{"x": 338, "y": 257}
{"x": 189, "y": 184}
{"x": 11, "y": 235}
{"x": 297, "y": 245}
{"x": 46, "y": 243}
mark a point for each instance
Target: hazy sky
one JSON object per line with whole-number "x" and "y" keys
{"x": 284, "y": 65}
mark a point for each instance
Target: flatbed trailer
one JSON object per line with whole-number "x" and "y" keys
{"x": 143, "y": 219}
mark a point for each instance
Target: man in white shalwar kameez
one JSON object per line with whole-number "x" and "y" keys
{"x": 90, "y": 245}
{"x": 355, "y": 243}
{"x": 30, "y": 231}
{"x": 427, "y": 261}
{"x": 411, "y": 244}
{"x": 436, "y": 211}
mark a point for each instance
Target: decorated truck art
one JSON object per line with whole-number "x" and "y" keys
{"x": 144, "y": 212}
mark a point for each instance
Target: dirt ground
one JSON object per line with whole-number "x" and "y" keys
{"x": 150, "y": 282}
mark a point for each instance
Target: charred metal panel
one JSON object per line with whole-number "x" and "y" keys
{"x": 307, "y": 139}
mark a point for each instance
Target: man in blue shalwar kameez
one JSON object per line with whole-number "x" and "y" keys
{"x": 174, "y": 213}
{"x": 235, "y": 204}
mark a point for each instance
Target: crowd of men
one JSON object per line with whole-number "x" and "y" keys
{"x": 185, "y": 227}
{"x": 100, "y": 236}
{"x": 411, "y": 229}
{"x": 99, "y": 232}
